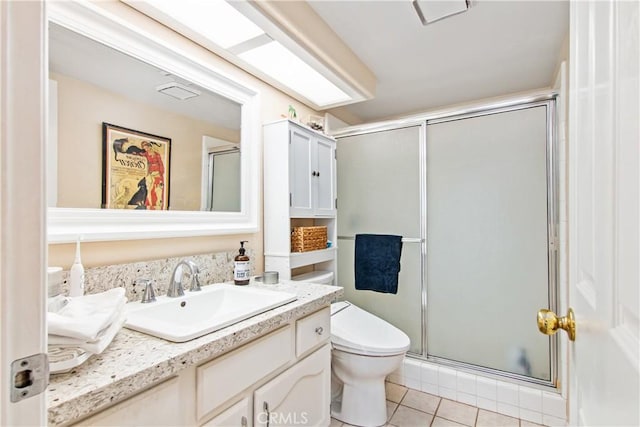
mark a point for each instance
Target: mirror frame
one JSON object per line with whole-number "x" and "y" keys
{"x": 68, "y": 224}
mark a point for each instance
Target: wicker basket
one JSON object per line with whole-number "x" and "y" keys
{"x": 305, "y": 239}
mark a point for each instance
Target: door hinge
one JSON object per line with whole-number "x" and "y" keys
{"x": 290, "y": 200}
{"x": 336, "y": 203}
{"x": 29, "y": 376}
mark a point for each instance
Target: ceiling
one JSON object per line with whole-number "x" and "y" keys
{"x": 493, "y": 49}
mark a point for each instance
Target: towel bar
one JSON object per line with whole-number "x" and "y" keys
{"x": 404, "y": 239}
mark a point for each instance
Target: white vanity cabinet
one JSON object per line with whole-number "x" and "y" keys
{"x": 299, "y": 190}
{"x": 289, "y": 369}
{"x": 288, "y": 372}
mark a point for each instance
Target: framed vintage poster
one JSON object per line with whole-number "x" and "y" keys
{"x": 135, "y": 171}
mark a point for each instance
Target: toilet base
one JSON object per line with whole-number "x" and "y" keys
{"x": 363, "y": 405}
{"x": 358, "y": 391}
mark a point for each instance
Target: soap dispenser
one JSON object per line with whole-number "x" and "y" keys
{"x": 76, "y": 275}
{"x": 241, "y": 266}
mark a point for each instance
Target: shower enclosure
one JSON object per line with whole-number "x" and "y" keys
{"x": 473, "y": 195}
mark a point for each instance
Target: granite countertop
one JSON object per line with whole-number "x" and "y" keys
{"x": 135, "y": 361}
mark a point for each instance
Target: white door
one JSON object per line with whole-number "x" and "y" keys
{"x": 604, "y": 220}
{"x": 300, "y": 178}
{"x": 325, "y": 177}
{"x": 22, "y": 210}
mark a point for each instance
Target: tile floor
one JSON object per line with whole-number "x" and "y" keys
{"x": 409, "y": 408}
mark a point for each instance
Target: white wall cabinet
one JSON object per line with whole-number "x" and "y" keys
{"x": 311, "y": 169}
{"x": 299, "y": 189}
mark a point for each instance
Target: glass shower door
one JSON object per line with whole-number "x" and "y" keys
{"x": 379, "y": 193}
{"x": 488, "y": 253}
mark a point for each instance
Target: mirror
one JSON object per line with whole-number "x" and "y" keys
{"x": 170, "y": 147}
{"x": 97, "y": 84}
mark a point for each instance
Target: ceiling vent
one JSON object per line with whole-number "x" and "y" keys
{"x": 177, "y": 91}
{"x": 430, "y": 11}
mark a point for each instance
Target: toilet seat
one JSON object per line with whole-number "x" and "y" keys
{"x": 357, "y": 331}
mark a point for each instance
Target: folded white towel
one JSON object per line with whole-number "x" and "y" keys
{"x": 98, "y": 345}
{"x": 84, "y": 317}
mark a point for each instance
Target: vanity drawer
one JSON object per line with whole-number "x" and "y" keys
{"x": 313, "y": 330}
{"x": 226, "y": 376}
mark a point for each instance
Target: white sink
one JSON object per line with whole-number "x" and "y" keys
{"x": 199, "y": 313}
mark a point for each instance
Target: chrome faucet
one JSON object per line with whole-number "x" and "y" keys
{"x": 175, "y": 285}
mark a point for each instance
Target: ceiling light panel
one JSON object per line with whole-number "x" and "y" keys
{"x": 215, "y": 20}
{"x": 281, "y": 64}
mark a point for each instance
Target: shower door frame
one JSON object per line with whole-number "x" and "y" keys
{"x": 547, "y": 99}
{"x": 552, "y": 239}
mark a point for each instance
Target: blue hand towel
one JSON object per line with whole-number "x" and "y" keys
{"x": 377, "y": 262}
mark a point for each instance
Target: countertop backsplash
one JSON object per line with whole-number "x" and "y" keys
{"x": 214, "y": 268}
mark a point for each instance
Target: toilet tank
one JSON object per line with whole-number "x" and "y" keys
{"x": 323, "y": 277}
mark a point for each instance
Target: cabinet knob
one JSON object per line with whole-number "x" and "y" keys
{"x": 314, "y": 173}
{"x": 319, "y": 330}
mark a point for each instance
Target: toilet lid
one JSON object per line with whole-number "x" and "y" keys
{"x": 357, "y": 331}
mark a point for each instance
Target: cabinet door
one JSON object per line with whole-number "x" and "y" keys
{"x": 237, "y": 415}
{"x": 325, "y": 185}
{"x": 299, "y": 396}
{"x": 301, "y": 168}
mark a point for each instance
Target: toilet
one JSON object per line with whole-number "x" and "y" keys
{"x": 365, "y": 349}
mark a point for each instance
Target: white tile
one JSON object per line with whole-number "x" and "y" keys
{"x": 507, "y": 393}
{"x": 412, "y": 383}
{"x": 447, "y": 393}
{"x": 488, "y": 404}
{"x": 466, "y": 383}
{"x": 458, "y": 412}
{"x": 421, "y": 401}
{"x": 429, "y": 388}
{"x": 405, "y": 416}
{"x": 429, "y": 373}
{"x": 391, "y": 409}
{"x": 530, "y": 398}
{"x": 441, "y": 422}
{"x": 533, "y": 416}
{"x": 510, "y": 410}
{"x": 487, "y": 388}
{"x": 447, "y": 378}
{"x": 553, "y": 404}
{"x": 548, "y": 420}
{"x": 394, "y": 392}
{"x": 412, "y": 369}
{"x": 396, "y": 379}
{"x": 492, "y": 419}
{"x": 466, "y": 398}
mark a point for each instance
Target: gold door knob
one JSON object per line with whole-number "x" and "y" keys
{"x": 549, "y": 323}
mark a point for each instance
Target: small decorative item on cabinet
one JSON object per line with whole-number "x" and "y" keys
{"x": 316, "y": 123}
{"x": 304, "y": 239}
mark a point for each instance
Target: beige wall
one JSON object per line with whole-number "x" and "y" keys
{"x": 82, "y": 107}
{"x": 274, "y": 105}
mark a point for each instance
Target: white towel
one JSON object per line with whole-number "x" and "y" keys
{"x": 84, "y": 317}
{"x": 97, "y": 346}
